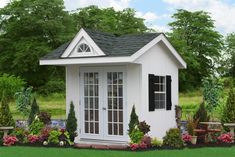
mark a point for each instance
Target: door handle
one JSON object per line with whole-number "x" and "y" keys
{"x": 104, "y": 108}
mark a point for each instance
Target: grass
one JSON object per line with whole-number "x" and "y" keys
{"x": 70, "y": 152}
{"x": 54, "y": 104}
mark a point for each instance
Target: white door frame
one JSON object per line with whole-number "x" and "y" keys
{"x": 103, "y": 114}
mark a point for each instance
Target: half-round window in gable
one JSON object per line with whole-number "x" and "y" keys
{"x": 83, "y": 48}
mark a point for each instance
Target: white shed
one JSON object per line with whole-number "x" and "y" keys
{"x": 106, "y": 75}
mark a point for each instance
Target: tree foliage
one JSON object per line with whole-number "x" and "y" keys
{"x": 229, "y": 109}
{"x": 71, "y": 123}
{"x": 109, "y": 20}
{"x": 6, "y": 118}
{"x": 29, "y": 30}
{"x": 34, "y": 111}
{"x": 134, "y": 120}
{"x": 194, "y": 36}
{"x": 9, "y": 85}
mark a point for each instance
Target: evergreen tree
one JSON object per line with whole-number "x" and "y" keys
{"x": 71, "y": 123}
{"x": 6, "y": 118}
{"x": 34, "y": 111}
{"x": 134, "y": 120}
{"x": 201, "y": 115}
{"x": 229, "y": 109}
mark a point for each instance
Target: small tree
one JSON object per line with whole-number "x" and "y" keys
{"x": 134, "y": 120}
{"x": 71, "y": 123}
{"x": 34, "y": 111}
{"x": 5, "y": 114}
{"x": 229, "y": 109}
{"x": 201, "y": 115}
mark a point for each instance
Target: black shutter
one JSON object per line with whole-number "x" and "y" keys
{"x": 151, "y": 92}
{"x": 168, "y": 93}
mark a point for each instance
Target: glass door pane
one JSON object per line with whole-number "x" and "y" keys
{"x": 91, "y": 102}
{"x": 115, "y": 103}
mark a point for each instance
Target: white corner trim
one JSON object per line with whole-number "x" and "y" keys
{"x": 82, "y": 34}
{"x": 159, "y": 38}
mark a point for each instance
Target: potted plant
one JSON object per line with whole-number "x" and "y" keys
{"x": 191, "y": 126}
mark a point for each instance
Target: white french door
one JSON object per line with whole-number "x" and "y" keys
{"x": 102, "y": 108}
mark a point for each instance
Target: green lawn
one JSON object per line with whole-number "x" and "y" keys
{"x": 61, "y": 152}
{"x": 55, "y": 104}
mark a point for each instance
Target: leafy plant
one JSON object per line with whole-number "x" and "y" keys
{"x": 134, "y": 146}
{"x": 134, "y": 120}
{"x": 34, "y": 111}
{"x": 54, "y": 136}
{"x": 45, "y": 117}
{"x": 20, "y": 133}
{"x": 6, "y": 118}
{"x": 44, "y": 134}
{"x": 201, "y": 115}
{"x": 156, "y": 142}
{"x": 146, "y": 140}
{"x": 9, "y": 85}
{"x": 33, "y": 138}
{"x": 191, "y": 125}
{"x": 136, "y": 135}
{"x": 187, "y": 138}
{"x": 9, "y": 140}
{"x": 225, "y": 138}
{"x": 173, "y": 138}
{"x": 211, "y": 93}
{"x": 23, "y": 100}
{"x": 36, "y": 126}
{"x": 229, "y": 109}
{"x": 71, "y": 123}
{"x": 144, "y": 127}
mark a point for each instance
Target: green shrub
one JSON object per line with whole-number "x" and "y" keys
{"x": 34, "y": 111}
{"x": 52, "y": 86}
{"x": 173, "y": 138}
{"x": 71, "y": 123}
{"x": 156, "y": 142}
{"x": 20, "y": 133}
{"x": 136, "y": 135}
{"x": 201, "y": 114}
{"x": 9, "y": 85}
{"x": 36, "y": 127}
{"x": 54, "y": 136}
{"x": 134, "y": 120}
{"x": 229, "y": 109}
{"x": 6, "y": 118}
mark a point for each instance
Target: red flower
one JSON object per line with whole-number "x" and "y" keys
{"x": 225, "y": 138}
{"x": 186, "y": 138}
{"x": 33, "y": 138}
{"x": 143, "y": 145}
{"x": 10, "y": 140}
{"x": 134, "y": 146}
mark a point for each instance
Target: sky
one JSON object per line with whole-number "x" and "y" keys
{"x": 158, "y": 12}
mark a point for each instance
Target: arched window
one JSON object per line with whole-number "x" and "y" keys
{"x": 83, "y": 48}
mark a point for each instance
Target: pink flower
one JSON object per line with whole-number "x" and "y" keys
{"x": 10, "y": 140}
{"x": 186, "y": 138}
{"x": 134, "y": 146}
{"x": 143, "y": 145}
{"x": 33, "y": 138}
{"x": 225, "y": 138}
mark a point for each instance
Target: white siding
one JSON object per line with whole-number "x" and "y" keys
{"x": 158, "y": 61}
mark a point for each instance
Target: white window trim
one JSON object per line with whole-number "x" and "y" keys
{"x": 160, "y": 92}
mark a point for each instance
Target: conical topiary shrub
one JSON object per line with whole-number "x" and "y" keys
{"x": 34, "y": 111}
{"x": 229, "y": 109}
{"x": 71, "y": 123}
{"x": 6, "y": 118}
{"x": 134, "y": 120}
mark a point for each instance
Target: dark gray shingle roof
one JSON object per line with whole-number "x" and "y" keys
{"x": 111, "y": 45}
